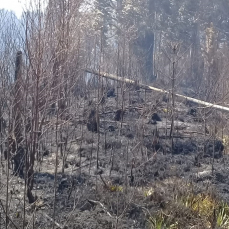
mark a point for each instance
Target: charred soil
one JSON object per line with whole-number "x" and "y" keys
{"x": 121, "y": 167}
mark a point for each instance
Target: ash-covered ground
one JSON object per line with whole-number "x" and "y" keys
{"x": 105, "y": 174}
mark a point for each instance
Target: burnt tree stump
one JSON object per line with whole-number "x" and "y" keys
{"x": 92, "y": 121}
{"x": 119, "y": 115}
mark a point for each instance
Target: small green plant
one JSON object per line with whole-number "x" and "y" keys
{"x": 226, "y": 142}
{"x": 222, "y": 216}
{"x": 165, "y": 110}
{"x": 148, "y": 192}
{"x": 115, "y": 188}
{"x": 207, "y": 207}
{"x": 201, "y": 203}
{"x": 161, "y": 221}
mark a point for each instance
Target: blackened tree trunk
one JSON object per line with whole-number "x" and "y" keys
{"x": 16, "y": 125}
{"x": 15, "y": 136}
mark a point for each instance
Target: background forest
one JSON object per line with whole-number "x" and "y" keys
{"x": 80, "y": 150}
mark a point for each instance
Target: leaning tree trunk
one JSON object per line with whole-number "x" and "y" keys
{"x": 143, "y": 86}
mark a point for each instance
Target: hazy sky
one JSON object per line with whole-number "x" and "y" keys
{"x": 14, "y": 5}
{"x": 18, "y": 5}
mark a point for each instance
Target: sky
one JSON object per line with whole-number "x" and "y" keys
{"x": 14, "y": 5}
{"x": 18, "y": 6}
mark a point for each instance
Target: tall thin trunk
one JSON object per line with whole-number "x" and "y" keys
{"x": 173, "y": 106}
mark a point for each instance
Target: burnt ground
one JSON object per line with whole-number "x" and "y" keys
{"x": 120, "y": 175}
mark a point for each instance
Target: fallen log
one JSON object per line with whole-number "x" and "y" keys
{"x": 147, "y": 87}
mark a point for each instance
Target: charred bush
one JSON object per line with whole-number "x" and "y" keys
{"x": 2, "y": 125}
{"x": 5, "y": 154}
{"x": 165, "y": 98}
{"x": 181, "y": 118}
{"x": 108, "y": 145}
{"x": 127, "y": 132}
{"x": 90, "y": 102}
{"x": 52, "y": 109}
{"x": 136, "y": 85}
{"x": 197, "y": 161}
{"x": 19, "y": 162}
{"x": 113, "y": 144}
{"x": 214, "y": 148}
{"x": 119, "y": 115}
{"x": 90, "y": 140}
{"x": 103, "y": 100}
{"x": 88, "y": 206}
{"x": 68, "y": 182}
{"x": 152, "y": 144}
{"x": 192, "y": 112}
{"x": 111, "y": 128}
{"x": 184, "y": 146}
{"x": 198, "y": 119}
{"x": 46, "y": 152}
{"x": 111, "y": 92}
{"x": 92, "y": 121}
{"x": 154, "y": 118}
{"x": 98, "y": 171}
{"x": 130, "y": 135}
{"x": 64, "y": 183}
{"x": 137, "y": 100}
